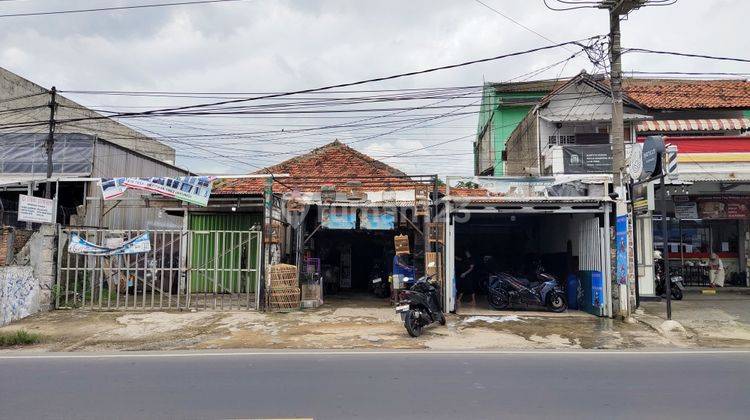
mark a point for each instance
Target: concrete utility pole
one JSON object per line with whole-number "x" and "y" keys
{"x": 50, "y": 143}
{"x": 616, "y": 9}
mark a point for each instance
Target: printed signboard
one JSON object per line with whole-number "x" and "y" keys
{"x": 621, "y": 242}
{"x": 723, "y": 207}
{"x": 686, "y": 210}
{"x": 36, "y": 209}
{"x": 587, "y": 159}
{"x": 338, "y": 218}
{"x": 377, "y": 219}
{"x": 137, "y": 245}
{"x": 190, "y": 189}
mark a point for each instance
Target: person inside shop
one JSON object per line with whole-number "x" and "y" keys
{"x": 716, "y": 271}
{"x": 466, "y": 277}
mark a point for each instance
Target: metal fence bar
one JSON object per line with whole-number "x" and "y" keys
{"x": 216, "y": 262}
{"x": 60, "y": 232}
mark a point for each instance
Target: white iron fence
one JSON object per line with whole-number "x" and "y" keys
{"x": 217, "y": 270}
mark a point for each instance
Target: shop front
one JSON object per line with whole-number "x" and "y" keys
{"x": 703, "y": 221}
{"x": 520, "y": 226}
{"x": 707, "y": 202}
{"x": 357, "y": 245}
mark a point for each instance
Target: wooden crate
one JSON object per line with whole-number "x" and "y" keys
{"x": 437, "y": 268}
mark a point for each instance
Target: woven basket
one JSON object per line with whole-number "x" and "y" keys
{"x": 283, "y": 276}
{"x": 284, "y": 299}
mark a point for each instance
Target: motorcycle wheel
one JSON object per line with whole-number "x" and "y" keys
{"x": 382, "y": 292}
{"x": 413, "y": 324}
{"x": 677, "y": 294}
{"x": 441, "y": 319}
{"x": 498, "y": 300}
{"x": 556, "y": 302}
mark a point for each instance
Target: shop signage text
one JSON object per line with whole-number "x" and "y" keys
{"x": 36, "y": 209}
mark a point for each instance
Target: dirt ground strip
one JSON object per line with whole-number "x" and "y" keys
{"x": 334, "y": 326}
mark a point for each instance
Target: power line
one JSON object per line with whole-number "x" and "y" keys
{"x": 682, "y": 54}
{"x": 357, "y": 83}
{"x": 515, "y": 22}
{"x": 113, "y": 8}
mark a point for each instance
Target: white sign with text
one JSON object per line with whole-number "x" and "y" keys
{"x": 36, "y": 209}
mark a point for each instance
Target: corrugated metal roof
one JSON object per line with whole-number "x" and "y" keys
{"x": 599, "y": 116}
{"x": 728, "y": 177}
{"x": 527, "y": 200}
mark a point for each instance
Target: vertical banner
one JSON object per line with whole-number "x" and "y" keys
{"x": 621, "y": 244}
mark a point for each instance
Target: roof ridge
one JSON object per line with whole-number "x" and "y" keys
{"x": 336, "y": 144}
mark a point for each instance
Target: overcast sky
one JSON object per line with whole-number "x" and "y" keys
{"x": 265, "y": 45}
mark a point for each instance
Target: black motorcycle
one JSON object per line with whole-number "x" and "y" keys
{"x": 676, "y": 288}
{"x": 506, "y": 291}
{"x": 419, "y": 306}
{"x": 379, "y": 287}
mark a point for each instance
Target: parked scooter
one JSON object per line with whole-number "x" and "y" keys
{"x": 677, "y": 288}
{"x": 419, "y": 306}
{"x": 506, "y": 291}
{"x": 379, "y": 287}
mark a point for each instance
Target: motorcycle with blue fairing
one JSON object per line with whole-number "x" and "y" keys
{"x": 506, "y": 291}
{"x": 419, "y": 305}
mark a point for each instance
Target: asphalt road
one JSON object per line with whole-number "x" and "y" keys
{"x": 554, "y": 385}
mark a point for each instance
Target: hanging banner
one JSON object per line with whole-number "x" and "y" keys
{"x": 137, "y": 245}
{"x": 338, "y": 218}
{"x": 190, "y": 189}
{"x": 377, "y": 219}
{"x": 621, "y": 244}
{"x": 36, "y": 209}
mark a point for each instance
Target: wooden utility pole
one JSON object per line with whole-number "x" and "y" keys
{"x": 50, "y": 143}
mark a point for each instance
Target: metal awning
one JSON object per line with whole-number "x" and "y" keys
{"x": 718, "y": 124}
{"x": 591, "y": 117}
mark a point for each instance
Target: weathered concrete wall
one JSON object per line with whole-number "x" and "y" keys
{"x": 26, "y": 287}
{"x": 19, "y": 294}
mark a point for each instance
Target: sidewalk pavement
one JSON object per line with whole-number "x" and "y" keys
{"x": 336, "y": 325}
{"x": 720, "y": 320}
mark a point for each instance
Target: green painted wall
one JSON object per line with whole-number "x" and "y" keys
{"x": 502, "y": 111}
{"x": 212, "y": 232}
{"x": 505, "y": 121}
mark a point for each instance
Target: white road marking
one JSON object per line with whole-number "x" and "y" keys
{"x": 128, "y": 355}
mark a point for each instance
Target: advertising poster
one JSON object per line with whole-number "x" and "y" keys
{"x": 621, "y": 244}
{"x": 587, "y": 159}
{"x": 724, "y": 207}
{"x": 190, "y": 189}
{"x": 137, "y": 245}
{"x": 686, "y": 211}
{"x": 36, "y": 209}
{"x": 377, "y": 219}
{"x": 338, "y": 218}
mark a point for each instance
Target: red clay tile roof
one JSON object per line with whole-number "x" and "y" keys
{"x": 332, "y": 164}
{"x": 659, "y": 94}
{"x": 688, "y": 94}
